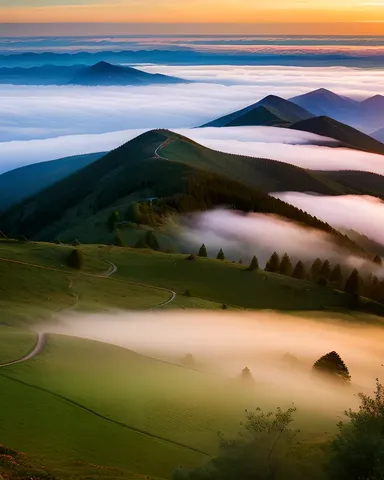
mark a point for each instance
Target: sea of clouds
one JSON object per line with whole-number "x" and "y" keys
{"x": 72, "y": 120}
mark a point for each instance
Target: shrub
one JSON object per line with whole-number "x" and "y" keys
{"x": 151, "y": 240}
{"x": 76, "y": 243}
{"x": 191, "y": 257}
{"x": 119, "y": 240}
{"x": 188, "y": 293}
{"x": 322, "y": 282}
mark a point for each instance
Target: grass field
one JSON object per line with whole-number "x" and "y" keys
{"x": 15, "y": 343}
{"x": 75, "y": 379}
{"x": 86, "y": 409}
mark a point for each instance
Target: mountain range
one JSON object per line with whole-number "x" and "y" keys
{"x": 309, "y": 116}
{"x": 102, "y": 73}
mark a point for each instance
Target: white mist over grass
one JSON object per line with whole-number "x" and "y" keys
{"x": 223, "y": 343}
{"x": 362, "y": 213}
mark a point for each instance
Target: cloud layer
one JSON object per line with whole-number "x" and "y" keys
{"x": 364, "y": 214}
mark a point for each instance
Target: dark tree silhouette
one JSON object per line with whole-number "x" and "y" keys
{"x": 299, "y": 271}
{"x": 246, "y": 374}
{"x": 151, "y": 240}
{"x": 75, "y": 259}
{"x": 377, "y": 260}
{"x": 273, "y": 264}
{"x": 203, "y": 251}
{"x": 133, "y": 213}
{"x": 315, "y": 269}
{"x": 332, "y": 364}
{"x": 220, "y": 255}
{"x": 113, "y": 219}
{"x": 325, "y": 270}
{"x": 322, "y": 282}
{"x": 354, "y": 283}
{"x": 119, "y": 240}
{"x": 254, "y": 265}
{"x": 336, "y": 275}
{"x": 286, "y": 265}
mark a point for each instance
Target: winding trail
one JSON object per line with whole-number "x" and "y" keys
{"x": 38, "y": 348}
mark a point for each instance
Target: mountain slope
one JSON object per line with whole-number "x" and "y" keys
{"x": 324, "y": 102}
{"x": 101, "y": 73}
{"x": 183, "y": 175}
{"x": 363, "y": 183}
{"x": 378, "y": 135}
{"x": 349, "y": 136}
{"x": 104, "y": 73}
{"x": 274, "y": 109}
{"x": 21, "y": 183}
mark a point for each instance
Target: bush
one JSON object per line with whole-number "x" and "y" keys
{"x": 76, "y": 243}
{"x": 322, "y": 282}
{"x": 151, "y": 240}
{"x": 119, "y": 240}
{"x": 358, "y": 450}
{"x": 224, "y": 306}
{"x": 191, "y": 257}
{"x": 187, "y": 293}
{"x": 75, "y": 259}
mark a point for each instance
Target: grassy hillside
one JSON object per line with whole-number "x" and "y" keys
{"x": 181, "y": 174}
{"x": 23, "y": 182}
{"x": 349, "y": 136}
{"x": 271, "y": 110}
{"x": 15, "y": 343}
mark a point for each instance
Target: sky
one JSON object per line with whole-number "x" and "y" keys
{"x": 281, "y": 16}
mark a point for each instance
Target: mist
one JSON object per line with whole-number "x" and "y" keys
{"x": 223, "y": 343}
{"x": 243, "y": 235}
{"x": 362, "y": 213}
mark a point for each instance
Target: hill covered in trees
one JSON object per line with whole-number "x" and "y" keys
{"x": 165, "y": 173}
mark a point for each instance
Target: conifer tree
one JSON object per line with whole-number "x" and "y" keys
{"x": 299, "y": 271}
{"x": 354, "y": 283}
{"x": 273, "y": 264}
{"x": 203, "y": 251}
{"x": 113, "y": 219}
{"x": 325, "y": 270}
{"x": 336, "y": 275}
{"x": 75, "y": 259}
{"x": 119, "y": 240}
{"x": 315, "y": 269}
{"x": 151, "y": 240}
{"x": 332, "y": 364}
{"x": 254, "y": 265}
{"x": 286, "y": 265}
{"x": 377, "y": 260}
{"x": 220, "y": 255}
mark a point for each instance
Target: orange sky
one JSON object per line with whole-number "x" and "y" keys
{"x": 351, "y": 16}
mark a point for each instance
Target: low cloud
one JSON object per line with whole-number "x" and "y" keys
{"x": 362, "y": 213}
{"x": 243, "y": 235}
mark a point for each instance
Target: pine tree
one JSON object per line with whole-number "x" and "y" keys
{"x": 119, "y": 240}
{"x": 315, "y": 269}
{"x": 203, "y": 251}
{"x": 332, "y": 364}
{"x": 273, "y": 264}
{"x": 151, "y": 240}
{"x": 113, "y": 219}
{"x": 286, "y": 265}
{"x": 336, "y": 275}
{"x": 220, "y": 255}
{"x": 377, "y": 260}
{"x": 354, "y": 283}
{"x": 375, "y": 289}
{"x": 325, "y": 270}
{"x": 299, "y": 271}
{"x": 254, "y": 265}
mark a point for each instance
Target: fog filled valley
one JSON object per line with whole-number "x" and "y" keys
{"x": 191, "y": 257}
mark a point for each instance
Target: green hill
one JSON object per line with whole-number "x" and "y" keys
{"x": 365, "y": 183}
{"x": 270, "y": 111}
{"x": 181, "y": 175}
{"x": 349, "y": 136}
{"x": 21, "y": 183}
